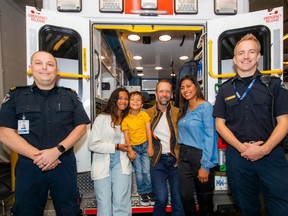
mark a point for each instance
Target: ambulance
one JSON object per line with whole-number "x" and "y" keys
{"x": 90, "y": 41}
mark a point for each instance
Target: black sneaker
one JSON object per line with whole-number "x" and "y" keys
{"x": 151, "y": 197}
{"x": 144, "y": 201}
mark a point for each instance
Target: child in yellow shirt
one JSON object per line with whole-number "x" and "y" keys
{"x": 137, "y": 132}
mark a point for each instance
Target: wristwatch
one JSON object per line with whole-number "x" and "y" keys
{"x": 61, "y": 148}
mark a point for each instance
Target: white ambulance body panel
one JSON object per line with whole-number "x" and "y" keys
{"x": 90, "y": 9}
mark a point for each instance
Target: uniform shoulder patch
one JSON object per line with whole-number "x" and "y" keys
{"x": 277, "y": 78}
{"x": 17, "y": 87}
{"x": 73, "y": 90}
{"x": 274, "y": 76}
{"x": 284, "y": 86}
{"x": 13, "y": 88}
{"x": 6, "y": 98}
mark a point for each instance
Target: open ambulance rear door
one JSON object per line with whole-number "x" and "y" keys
{"x": 68, "y": 39}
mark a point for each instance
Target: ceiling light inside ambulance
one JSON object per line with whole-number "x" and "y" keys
{"x": 183, "y": 58}
{"x": 137, "y": 57}
{"x": 102, "y": 57}
{"x": 139, "y": 68}
{"x": 158, "y": 68}
{"x": 173, "y": 74}
{"x": 133, "y": 37}
{"x": 165, "y": 38}
{"x": 140, "y": 73}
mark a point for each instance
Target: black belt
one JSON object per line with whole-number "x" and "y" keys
{"x": 167, "y": 154}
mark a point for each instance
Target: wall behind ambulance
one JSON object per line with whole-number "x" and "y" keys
{"x": 13, "y": 52}
{"x": 13, "y": 36}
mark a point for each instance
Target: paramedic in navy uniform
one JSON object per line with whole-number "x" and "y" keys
{"x": 54, "y": 121}
{"x": 255, "y": 159}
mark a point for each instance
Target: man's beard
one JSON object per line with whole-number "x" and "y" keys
{"x": 163, "y": 104}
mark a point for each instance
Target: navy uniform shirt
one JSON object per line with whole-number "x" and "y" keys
{"x": 250, "y": 119}
{"x": 52, "y": 114}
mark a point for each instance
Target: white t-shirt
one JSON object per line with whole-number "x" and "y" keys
{"x": 163, "y": 133}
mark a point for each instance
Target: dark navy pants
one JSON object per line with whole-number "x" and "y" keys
{"x": 162, "y": 172}
{"x": 32, "y": 187}
{"x": 247, "y": 180}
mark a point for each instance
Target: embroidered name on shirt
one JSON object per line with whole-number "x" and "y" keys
{"x": 230, "y": 97}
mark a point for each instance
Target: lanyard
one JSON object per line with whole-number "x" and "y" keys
{"x": 246, "y": 90}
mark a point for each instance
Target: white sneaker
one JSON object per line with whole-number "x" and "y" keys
{"x": 144, "y": 200}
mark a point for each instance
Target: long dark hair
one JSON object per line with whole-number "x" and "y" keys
{"x": 111, "y": 107}
{"x": 183, "y": 103}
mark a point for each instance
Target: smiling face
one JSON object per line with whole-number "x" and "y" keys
{"x": 136, "y": 102}
{"x": 246, "y": 57}
{"x": 188, "y": 89}
{"x": 163, "y": 93}
{"x": 44, "y": 70}
{"x": 122, "y": 102}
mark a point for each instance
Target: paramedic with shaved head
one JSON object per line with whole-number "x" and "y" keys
{"x": 42, "y": 122}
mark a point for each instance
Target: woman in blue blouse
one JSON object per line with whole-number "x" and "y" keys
{"x": 198, "y": 148}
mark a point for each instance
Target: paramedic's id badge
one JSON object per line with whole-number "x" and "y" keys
{"x": 23, "y": 126}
